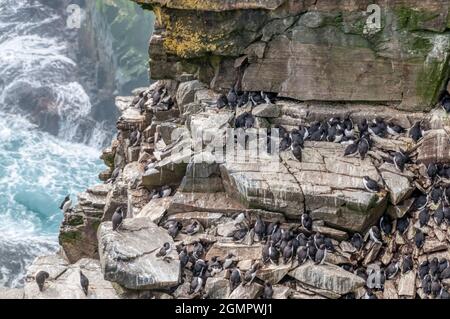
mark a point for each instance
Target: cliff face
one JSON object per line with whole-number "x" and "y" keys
{"x": 307, "y": 50}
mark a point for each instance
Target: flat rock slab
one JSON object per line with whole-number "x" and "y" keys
{"x": 67, "y": 284}
{"x": 209, "y": 202}
{"x": 128, "y": 256}
{"x": 273, "y": 273}
{"x": 246, "y": 292}
{"x": 155, "y": 209}
{"x": 240, "y": 251}
{"x": 327, "y": 277}
{"x": 435, "y": 147}
{"x": 407, "y": 285}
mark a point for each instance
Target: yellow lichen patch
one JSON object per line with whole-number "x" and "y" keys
{"x": 186, "y": 41}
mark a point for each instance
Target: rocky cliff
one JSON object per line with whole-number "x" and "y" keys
{"x": 230, "y": 220}
{"x": 308, "y": 50}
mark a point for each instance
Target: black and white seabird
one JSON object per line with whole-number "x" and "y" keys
{"x": 394, "y": 129}
{"x": 438, "y": 215}
{"x": 232, "y": 98}
{"x": 444, "y": 101}
{"x": 400, "y": 159}
{"x": 445, "y": 274}
{"x": 306, "y": 221}
{"x": 432, "y": 171}
{"x": 357, "y": 241}
{"x": 268, "y": 291}
{"x": 164, "y": 251}
{"x": 117, "y": 218}
{"x": 443, "y": 264}
{"x": 420, "y": 202}
{"x": 407, "y": 264}
{"x": 40, "y": 278}
{"x": 274, "y": 255}
{"x": 250, "y": 274}
{"x": 363, "y": 147}
{"x": 229, "y": 261}
{"x": 215, "y": 266}
{"x": 435, "y": 287}
{"x": 288, "y": 252}
{"x": 66, "y": 204}
{"x": 221, "y": 102}
{"x": 362, "y": 127}
{"x": 392, "y": 270}
{"x": 415, "y": 132}
{"x": 184, "y": 258}
{"x": 198, "y": 250}
{"x": 192, "y": 228}
{"x": 403, "y": 224}
{"x": 260, "y": 228}
{"x": 424, "y": 217}
{"x": 426, "y": 284}
{"x": 434, "y": 266}
{"x": 370, "y": 185}
{"x": 297, "y": 150}
{"x": 174, "y": 229}
{"x": 386, "y": 224}
{"x": 235, "y": 278}
{"x": 285, "y": 143}
{"x": 351, "y": 149}
{"x": 375, "y": 234}
{"x": 424, "y": 269}
{"x": 302, "y": 254}
{"x": 239, "y": 234}
{"x": 199, "y": 267}
{"x": 419, "y": 238}
{"x": 436, "y": 195}
{"x": 348, "y": 127}
{"x": 196, "y": 285}
{"x": 320, "y": 256}
{"x": 84, "y": 283}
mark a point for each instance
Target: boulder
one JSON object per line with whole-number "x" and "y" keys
{"x": 155, "y": 209}
{"x": 217, "y": 288}
{"x": 65, "y": 283}
{"x": 266, "y": 110}
{"x": 273, "y": 273}
{"x": 327, "y": 277}
{"x": 435, "y": 147}
{"x": 240, "y": 251}
{"x": 128, "y": 256}
{"x": 186, "y": 93}
{"x": 252, "y": 291}
{"x": 407, "y": 285}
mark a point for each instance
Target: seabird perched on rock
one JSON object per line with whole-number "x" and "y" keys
{"x": 229, "y": 261}
{"x": 66, "y": 204}
{"x": 115, "y": 174}
{"x": 438, "y": 215}
{"x": 174, "y": 229}
{"x": 135, "y": 137}
{"x": 243, "y": 99}
{"x": 375, "y": 235}
{"x": 394, "y": 129}
{"x": 260, "y": 228}
{"x": 215, "y": 266}
{"x": 84, "y": 282}
{"x": 432, "y": 171}
{"x": 424, "y": 217}
{"x": 445, "y": 274}
{"x": 400, "y": 159}
{"x": 351, "y": 149}
{"x": 443, "y": 264}
{"x": 312, "y": 250}
{"x": 363, "y": 147}
{"x": 196, "y": 285}
{"x": 407, "y": 264}
{"x": 276, "y": 236}
{"x": 435, "y": 287}
{"x": 424, "y": 269}
{"x": 232, "y": 98}
{"x": 40, "y": 278}
{"x": 164, "y": 251}
{"x": 363, "y": 127}
{"x": 301, "y": 239}
{"x": 419, "y": 238}
{"x": 297, "y": 150}
{"x": 250, "y": 274}
{"x": 444, "y": 294}
{"x": 357, "y": 241}
{"x": 285, "y": 143}
{"x": 348, "y": 127}
{"x": 321, "y": 255}
{"x": 434, "y": 266}
{"x": 156, "y": 95}
{"x": 272, "y": 228}
{"x": 444, "y": 101}
{"x": 199, "y": 267}
{"x": 370, "y": 185}
{"x": 117, "y": 218}
{"x": 302, "y": 254}
{"x": 306, "y": 221}
{"x": 436, "y": 195}
{"x": 426, "y": 284}
{"x": 288, "y": 252}
{"x": 386, "y": 224}
{"x": 415, "y": 132}
{"x": 192, "y": 228}
{"x": 184, "y": 258}
{"x": 274, "y": 255}
{"x": 268, "y": 291}
{"x": 420, "y": 203}
{"x": 403, "y": 224}
{"x": 392, "y": 270}
{"x": 235, "y": 278}
{"x": 198, "y": 250}
{"x": 221, "y": 102}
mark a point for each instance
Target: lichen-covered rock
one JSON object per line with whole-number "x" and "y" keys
{"x": 128, "y": 256}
